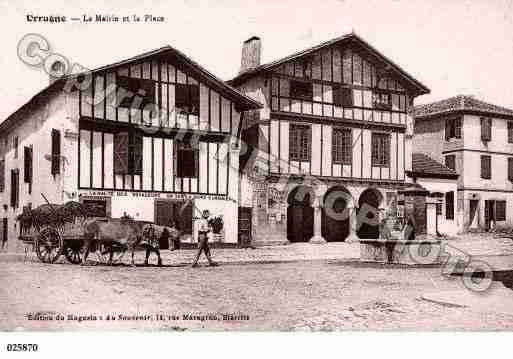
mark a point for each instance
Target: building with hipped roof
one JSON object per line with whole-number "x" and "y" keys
{"x": 475, "y": 139}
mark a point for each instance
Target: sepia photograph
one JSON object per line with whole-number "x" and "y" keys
{"x": 266, "y": 166}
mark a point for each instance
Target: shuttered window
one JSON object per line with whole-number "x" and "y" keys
{"x": 380, "y": 149}
{"x": 500, "y": 210}
{"x": 187, "y": 99}
{"x": 510, "y": 131}
{"x": 56, "y": 152}
{"x": 449, "y": 205}
{"x": 301, "y": 90}
{"x": 510, "y": 169}
{"x": 450, "y": 162}
{"x": 27, "y": 166}
{"x": 342, "y": 96}
{"x": 486, "y": 129}
{"x": 15, "y": 188}
{"x": 187, "y": 160}
{"x": 300, "y": 142}
{"x": 486, "y": 167}
{"x": 452, "y": 128}
{"x": 128, "y": 153}
{"x": 2, "y": 175}
{"x": 342, "y": 146}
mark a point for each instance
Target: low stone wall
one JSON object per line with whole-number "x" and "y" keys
{"x": 400, "y": 251}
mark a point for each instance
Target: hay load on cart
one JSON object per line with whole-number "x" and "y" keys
{"x": 57, "y": 229}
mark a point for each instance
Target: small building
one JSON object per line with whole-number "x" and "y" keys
{"x": 474, "y": 138}
{"x": 334, "y": 136}
{"x": 154, "y": 137}
{"x": 441, "y": 182}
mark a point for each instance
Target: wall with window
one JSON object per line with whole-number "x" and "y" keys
{"x": 114, "y": 161}
{"x": 498, "y": 134}
{"x": 327, "y": 153}
{"x": 338, "y": 83}
{"x": 133, "y": 93}
{"x": 39, "y": 170}
{"x": 448, "y": 223}
{"x": 472, "y": 173}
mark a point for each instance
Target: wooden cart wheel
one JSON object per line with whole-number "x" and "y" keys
{"x": 48, "y": 245}
{"x": 73, "y": 252}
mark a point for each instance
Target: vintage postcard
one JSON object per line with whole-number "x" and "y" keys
{"x": 237, "y": 166}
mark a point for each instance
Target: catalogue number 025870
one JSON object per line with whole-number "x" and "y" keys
{"x": 22, "y": 347}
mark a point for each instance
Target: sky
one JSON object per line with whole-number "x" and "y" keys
{"x": 453, "y": 46}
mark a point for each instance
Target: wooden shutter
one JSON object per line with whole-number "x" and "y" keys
{"x": 15, "y": 188}
{"x": 449, "y": 205}
{"x": 27, "y": 164}
{"x": 486, "y": 129}
{"x": 447, "y": 129}
{"x": 56, "y": 152}
{"x": 136, "y": 150}
{"x": 500, "y": 210}
{"x": 2, "y": 175}
{"x": 121, "y": 153}
{"x": 510, "y": 131}
{"x": 486, "y": 167}
{"x": 510, "y": 169}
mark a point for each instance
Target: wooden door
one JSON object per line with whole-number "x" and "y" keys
{"x": 245, "y": 227}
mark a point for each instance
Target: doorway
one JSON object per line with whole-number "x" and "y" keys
{"x": 368, "y": 220}
{"x": 300, "y": 214}
{"x": 489, "y": 215}
{"x": 168, "y": 211}
{"x": 335, "y": 214}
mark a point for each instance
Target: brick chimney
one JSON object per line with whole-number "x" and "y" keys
{"x": 251, "y": 52}
{"x": 57, "y": 70}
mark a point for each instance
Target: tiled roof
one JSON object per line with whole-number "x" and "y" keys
{"x": 460, "y": 103}
{"x": 229, "y": 91}
{"x": 425, "y": 166}
{"x": 421, "y": 88}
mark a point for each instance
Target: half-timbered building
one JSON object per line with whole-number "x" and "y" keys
{"x": 335, "y": 128}
{"x": 154, "y": 137}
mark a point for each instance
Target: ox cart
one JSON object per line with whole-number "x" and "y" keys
{"x": 54, "y": 230}
{"x": 75, "y": 230}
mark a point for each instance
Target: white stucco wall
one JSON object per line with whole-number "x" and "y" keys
{"x": 445, "y": 226}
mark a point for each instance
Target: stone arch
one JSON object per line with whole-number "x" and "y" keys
{"x": 300, "y": 214}
{"x": 337, "y": 203}
{"x": 369, "y": 203}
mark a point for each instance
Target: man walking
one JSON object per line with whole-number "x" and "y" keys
{"x": 203, "y": 230}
